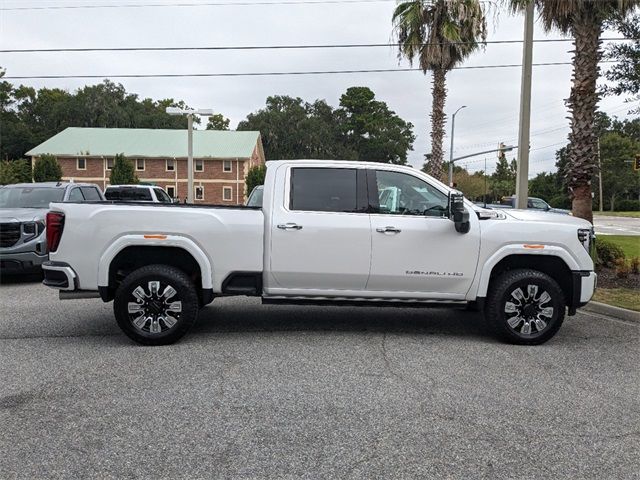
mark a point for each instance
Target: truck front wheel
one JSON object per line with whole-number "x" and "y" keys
{"x": 525, "y": 307}
{"x": 156, "y": 305}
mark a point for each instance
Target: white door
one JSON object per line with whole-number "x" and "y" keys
{"x": 319, "y": 239}
{"x": 415, "y": 247}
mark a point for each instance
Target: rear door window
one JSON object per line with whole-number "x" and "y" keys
{"x": 162, "y": 196}
{"x": 76, "y": 195}
{"x": 90, "y": 193}
{"x": 323, "y": 189}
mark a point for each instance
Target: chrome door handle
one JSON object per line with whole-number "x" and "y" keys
{"x": 388, "y": 230}
{"x": 289, "y": 226}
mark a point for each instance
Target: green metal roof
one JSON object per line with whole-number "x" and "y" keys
{"x": 146, "y": 142}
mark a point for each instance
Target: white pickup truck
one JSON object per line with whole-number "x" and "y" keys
{"x": 327, "y": 232}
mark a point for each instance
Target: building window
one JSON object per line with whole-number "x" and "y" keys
{"x": 227, "y": 194}
{"x": 226, "y": 166}
{"x": 109, "y": 163}
{"x": 81, "y": 164}
{"x": 199, "y": 165}
{"x": 171, "y": 190}
{"x": 171, "y": 165}
{"x": 199, "y": 191}
{"x": 140, "y": 164}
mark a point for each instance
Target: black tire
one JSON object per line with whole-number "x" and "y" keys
{"x": 509, "y": 322}
{"x": 159, "y": 322}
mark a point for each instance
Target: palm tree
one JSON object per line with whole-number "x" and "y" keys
{"x": 441, "y": 34}
{"x": 584, "y": 20}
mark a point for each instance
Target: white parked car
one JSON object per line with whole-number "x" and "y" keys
{"x": 137, "y": 193}
{"x": 322, "y": 235}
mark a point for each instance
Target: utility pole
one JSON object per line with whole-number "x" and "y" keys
{"x": 522, "y": 178}
{"x": 599, "y": 177}
{"x": 189, "y": 158}
{"x": 189, "y": 113}
{"x": 453, "y": 126}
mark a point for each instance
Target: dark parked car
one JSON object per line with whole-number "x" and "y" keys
{"x": 23, "y": 206}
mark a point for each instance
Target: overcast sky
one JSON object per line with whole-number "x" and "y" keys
{"x": 491, "y": 95}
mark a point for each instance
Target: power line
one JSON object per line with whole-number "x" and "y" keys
{"x": 264, "y": 74}
{"x": 191, "y": 4}
{"x": 267, "y": 47}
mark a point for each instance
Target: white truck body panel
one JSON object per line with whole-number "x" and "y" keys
{"x": 226, "y": 239}
{"x": 334, "y": 255}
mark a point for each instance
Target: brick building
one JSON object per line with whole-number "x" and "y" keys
{"x": 221, "y": 158}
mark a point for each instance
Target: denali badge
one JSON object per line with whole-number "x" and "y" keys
{"x": 434, "y": 274}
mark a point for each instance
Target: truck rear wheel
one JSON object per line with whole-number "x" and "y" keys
{"x": 525, "y": 307}
{"x": 156, "y": 305}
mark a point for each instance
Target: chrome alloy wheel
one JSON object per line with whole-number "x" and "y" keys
{"x": 154, "y": 311}
{"x": 528, "y": 315}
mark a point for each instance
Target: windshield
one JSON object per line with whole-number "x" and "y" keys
{"x": 29, "y": 197}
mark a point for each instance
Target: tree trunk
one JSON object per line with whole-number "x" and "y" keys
{"x": 439, "y": 94}
{"x": 582, "y": 104}
{"x": 612, "y": 203}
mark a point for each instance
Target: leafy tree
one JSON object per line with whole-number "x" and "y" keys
{"x": 546, "y": 186}
{"x": 255, "y": 177}
{"x": 503, "y": 180}
{"x": 7, "y": 175}
{"x": 440, "y": 34}
{"x": 218, "y": 122}
{"x": 584, "y": 21}
{"x": 29, "y": 117}
{"x": 15, "y": 171}
{"x": 619, "y": 180}
{"x": 625, "y": 73}
{"x": 372, "y": 130}
{"x": 47, "y": 169}
{"x": 123, "y": 171}
{"x": 472, "y": 185}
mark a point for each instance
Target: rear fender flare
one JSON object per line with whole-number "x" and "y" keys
{"x": 155, "y": 240}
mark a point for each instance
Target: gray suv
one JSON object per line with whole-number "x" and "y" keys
{"x": 23, "y": 207}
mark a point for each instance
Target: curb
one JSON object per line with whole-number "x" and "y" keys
{"x": 616, "y": 312}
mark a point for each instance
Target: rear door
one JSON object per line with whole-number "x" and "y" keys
{"x": 320, "y": 231}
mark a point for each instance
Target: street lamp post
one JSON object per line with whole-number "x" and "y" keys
{"x": 453, "y": 126}
{"x": 189, "y": 114}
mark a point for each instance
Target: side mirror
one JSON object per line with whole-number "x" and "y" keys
{"x": 458, "y": 213}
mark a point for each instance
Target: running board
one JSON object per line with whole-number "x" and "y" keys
{"x": 363, "y": 302}
{"x": 78, "y": 294}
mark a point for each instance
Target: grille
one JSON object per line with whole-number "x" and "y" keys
{"x": 9, "y": 234}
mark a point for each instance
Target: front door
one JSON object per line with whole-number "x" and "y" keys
{"x": 320, "y": 232}
{"x": 415, "y": 247}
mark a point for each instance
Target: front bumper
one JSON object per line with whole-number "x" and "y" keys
{"x": 20, "y": 262}
{"x": 584, "y": 285}
{"x": 59, "y": 275}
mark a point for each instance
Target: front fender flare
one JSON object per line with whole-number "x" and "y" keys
{"x": 155, "y": 240}
{"x": 519, "y": 249}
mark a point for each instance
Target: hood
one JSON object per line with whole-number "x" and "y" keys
{"x": 22, "y": 214}
{"x": 546, "y": 217}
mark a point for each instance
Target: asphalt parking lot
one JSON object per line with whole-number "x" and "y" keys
{"x": 311, "y": 392}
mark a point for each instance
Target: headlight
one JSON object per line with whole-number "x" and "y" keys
{"x": 587, "y": 238}
{"x": 32, "y": 229}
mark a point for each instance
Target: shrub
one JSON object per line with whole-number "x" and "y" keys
{"x": 627, "y": 205}
{"x": 635, "y": 265}
{"x": 607, "y": 253}
{"x": 123, "y": 171}
{"x": 255, "y": 177}
{"x": 47, "y": 169}
{"x": 622, "y": 268}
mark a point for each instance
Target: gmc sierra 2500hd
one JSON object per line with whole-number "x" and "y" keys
{"x": 327, "y": 231}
